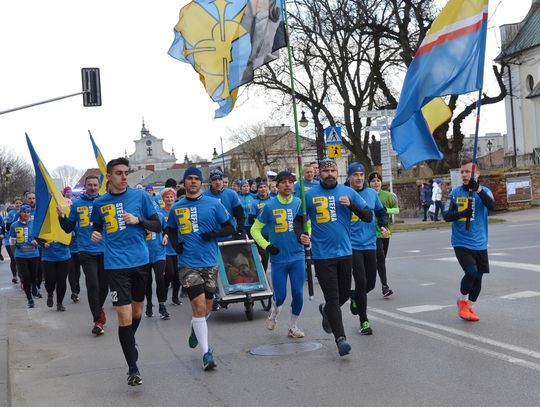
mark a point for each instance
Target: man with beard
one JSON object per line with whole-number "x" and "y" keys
{"x": 330, "y": 207}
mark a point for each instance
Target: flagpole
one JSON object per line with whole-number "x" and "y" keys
{"x": 474, "y": 158}
{"x": 300, "y": 175}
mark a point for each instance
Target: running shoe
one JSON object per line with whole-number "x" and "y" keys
{"x": 472, "y": 315}
{"x": 98, "y": 329}
{"x": 365, "y": 329}
{"x": 149, "y": 311}
{"x": 192, "y": 340}
{"x": 14, "y": 280}
{"x": 134, "y": 379}
{"x": 176, "y": 301}
{"x": 343, "y": 346}
{"x": 271, "y": 322}
{"x": 386, "y": 291}
{"x": 102, "y": 317}
{"x": 295, "y": 333}
{"x": 463, "y": 310}
{"x": 215, "y": 306}
{"x": 325, "y": 323}
{"x": 50, "y": 302}
{"x": 75, "y": 297}
{"x": 163, "y": 312}
{"x": 354, "y": 307}
{"x": 30, "y": 304}
{"x": 208, "y": 360}
{"x": 60, "y": 308}
{"x": 38, "y": 294}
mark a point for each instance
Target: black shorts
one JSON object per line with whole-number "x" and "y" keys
{"x": 128, "y": 285}
{"x": 468, "y": 258}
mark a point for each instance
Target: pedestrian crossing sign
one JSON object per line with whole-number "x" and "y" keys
{"x": 332, "y": 135}
{"x": 334, "y": 150}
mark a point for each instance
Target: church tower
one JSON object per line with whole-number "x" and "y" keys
{"x": 149, "y": 153}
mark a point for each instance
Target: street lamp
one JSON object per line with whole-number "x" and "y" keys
{"x": 303, "y": 122}
{"x": 214, "y": 154}
{"x": 489, "y": 145}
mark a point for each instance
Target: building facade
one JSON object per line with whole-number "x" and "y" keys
{"x": 149, "y": 153}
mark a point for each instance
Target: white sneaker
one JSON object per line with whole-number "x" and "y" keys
{"x": 295, "y": 332}
{"x": 271, "y": 322}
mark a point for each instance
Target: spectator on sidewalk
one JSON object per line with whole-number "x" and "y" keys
{"x": 425, "y": 197}
{"x": 436, "y": 197}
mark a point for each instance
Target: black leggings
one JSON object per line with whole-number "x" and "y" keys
{"x": 97, "y": 286}
{"x": 365, "y": 274}
{"x": 161, "y": 289}
{"x": 382, "y": 250}
{"x": 55, "y": 273}
{"x": 475, "y": 264}
{"x": 12, "y": 263}
{"x": 334, "y": 277}
{"x": 74, "y": 275}
{"x": 27, "y": 269}
{"x": 171, "y": 275}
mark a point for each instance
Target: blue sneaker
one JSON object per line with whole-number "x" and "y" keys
{"x": 192, "y": 340}
{"x": 343, "y": 346}
{"x": 208, "y": 360}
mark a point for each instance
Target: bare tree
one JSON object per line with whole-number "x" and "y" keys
{"x": 68, "y": 174}
{"x": 16, "y": 175}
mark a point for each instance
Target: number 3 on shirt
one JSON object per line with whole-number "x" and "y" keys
{"x": 184, "y": 221}
{"x": 323, "y": 215}
{"x": 281, "y": 221}
{"x": 84, "y": 220}
{"x": 109, "y": 215}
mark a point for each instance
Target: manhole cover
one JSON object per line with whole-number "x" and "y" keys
{"x": 289, "y": 348}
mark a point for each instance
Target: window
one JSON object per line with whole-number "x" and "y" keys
{"x": 530, "y": 83}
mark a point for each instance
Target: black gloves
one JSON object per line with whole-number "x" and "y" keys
{"x": 179, "y": 247}
{"x": 239, "y": 235}
{"x": 467, "y": 213}
{"x": 272, "y": 249}
{"x": 473, "y": 185}
{"x": 208, "y": 235}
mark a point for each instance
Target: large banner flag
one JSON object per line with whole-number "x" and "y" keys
{"x": 450, "y": 61}
{"x": 48, "y": 197}
{"x": 226, "y": 40}
{"x": 101, "y": 164}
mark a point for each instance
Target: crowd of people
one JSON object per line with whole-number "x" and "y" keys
{"x": 124, "y": 237}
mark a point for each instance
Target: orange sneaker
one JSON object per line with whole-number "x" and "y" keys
{"x": 463, "y": 310}
{"x": 472, "y": 314}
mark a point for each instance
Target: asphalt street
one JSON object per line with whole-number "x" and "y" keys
{"x": 421, "y": 353}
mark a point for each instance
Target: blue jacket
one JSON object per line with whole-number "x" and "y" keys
{"x": 426, "y": 195}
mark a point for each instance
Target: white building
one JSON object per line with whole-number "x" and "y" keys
{"x": 149, "y": 153}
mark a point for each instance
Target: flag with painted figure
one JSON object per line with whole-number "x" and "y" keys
{"x": 449, "y": 61}
{"x": 225, "y": 41}
{"x": 101, "y": 164}
{"x": 48, "y": 197}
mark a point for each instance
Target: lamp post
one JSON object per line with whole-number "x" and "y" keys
{"x": 303, "y": 122}
{"x": 214, "y": 154}
{"x": 489, "y": 145}
{"x": 5, "y": 176}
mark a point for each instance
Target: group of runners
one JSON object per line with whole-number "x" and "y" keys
{"x": 121, "y": 236}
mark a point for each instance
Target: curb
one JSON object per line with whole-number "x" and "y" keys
{"x": 5, "y": 388}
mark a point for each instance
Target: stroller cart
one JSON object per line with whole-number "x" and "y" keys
{"x": 241, "y": 277}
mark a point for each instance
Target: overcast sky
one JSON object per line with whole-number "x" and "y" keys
{"x": 44, "y": 44}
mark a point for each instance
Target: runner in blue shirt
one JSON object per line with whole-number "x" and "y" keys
{"x": 283, "y": 218}
{"x": 90, "y": 253}
{"x": 246, "y": 197}
{"x": 36, "y": 284}
{"x": 230, "y": 201}
{"x": 121, "y": 217}
{"x": 56, "y": 259}
{"x": 198, "y": 220}
{"x": 364, "y": 244}
{"x": 309, "y": 180}
{"x": 470, "y": 246}
{"x": 12, "y": 216}
{"x": 262, "y": 198}
{"x": 24, "y": 247}
{"x": 330, "y": 207}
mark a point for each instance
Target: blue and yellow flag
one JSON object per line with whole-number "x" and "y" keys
{"x": 226, "y": 40}
{"x": 450, "y": 61}
{"x": 101, "y": 164}
{"x": 48, "y": 197}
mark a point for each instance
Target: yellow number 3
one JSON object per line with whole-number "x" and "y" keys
{"x": 84, "y": 220}
{"x": 184, "y": 221}
{"x": 323, "y": 215}
{"x": 109, "y": 214}
{"x": 281, "y": 221}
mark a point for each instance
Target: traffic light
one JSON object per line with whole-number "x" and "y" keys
{"x": 91, "y": 87}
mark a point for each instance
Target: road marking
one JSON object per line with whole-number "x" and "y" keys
{"x": 498, "y": 254}
{"x": 461, "y": 344}
{"x": 521, "y": 294}
{"x": 423, "y": 308}
{"x": 506, "y": 264}
{"x": 413, "y": 251}
{"x": 481, "y": 339}
{"x": 451, "y": 248}
{"x": 426, "y": 284}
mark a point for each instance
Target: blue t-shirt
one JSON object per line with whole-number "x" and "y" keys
{"x": 245, "y": 201}
{"x": 364, "y": 235}
{"x": 12, "y": 216}
{"x": 228, "y": 198}
{"x": 169, "y": 250}
{"x": 331, "y": 221}
{"x": 159, "y": 200}
{"x": 23, "y": 235}
{"x": 156, "y": 250}
{"x": 192, "y": 218}
{"x": 56, "y": 252}
{"x": 307, "y": 186}
{"x": 278, "y": 218}
{"x": 256, "y": 205}
{"x": 476, "y": 238}
{"x": 125, "y": 245}
{"x": 81, "y": 214}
